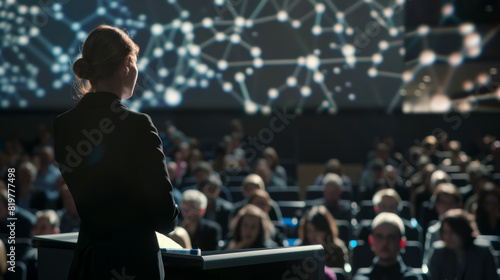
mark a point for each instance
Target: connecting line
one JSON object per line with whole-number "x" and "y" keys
{"x": 258, "y": 9}
{"x": 353, "y": 7}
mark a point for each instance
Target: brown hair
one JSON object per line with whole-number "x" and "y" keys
{"x": 322, "y": 220}
{"x": 266, "y": 226}
{"x": 462, "y": 223}
{"x": 103, "y": 52}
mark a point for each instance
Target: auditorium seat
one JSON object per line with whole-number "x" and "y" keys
{"x": 314, "y": 192}
{"x": 289, "y": 193}
{"x": 236, "y": 193}
{"x": 459, "y": 179}
{"x": 345, "y": 230}
{"x": 233, "y": 180}
{"x": 362, "y": 255}
{"x": 413, "y": 254}
{"x": 292, "y": 209}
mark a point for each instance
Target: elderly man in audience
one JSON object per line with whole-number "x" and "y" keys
{"x": 332, "y": 191}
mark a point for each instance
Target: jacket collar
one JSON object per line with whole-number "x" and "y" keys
{"x": 99, "y": 98}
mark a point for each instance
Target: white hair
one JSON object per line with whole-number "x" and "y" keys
{"x": 439, "y": 175}
{"x": 389, "y": 218}
{"x": 195, "y": 196}
{"x": 332, "y": 178}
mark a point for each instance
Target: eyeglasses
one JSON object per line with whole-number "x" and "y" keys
{"x": 390, "y": 238}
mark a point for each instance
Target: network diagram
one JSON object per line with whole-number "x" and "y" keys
{"x": 303, "y": 54}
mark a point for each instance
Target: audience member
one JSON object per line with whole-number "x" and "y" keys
{"x": 47, "y": 176}
{"x": 273, "y": 162}
{"x": 29, "y": 196}
{"x": 458, "y": 256}
{"x": 389, "y": 201}
{"x": 386, "y": 241}
{"x": 251, "y": 228}
{"x": 201, "y": 171}
{"x": 204, "y": 234}
{"x": 334, "y": 166}
{"x": 475, "y": 174}
{"x": 68, "y": 215}
{"x": 218, "y": 209}
{"x": 437, "y": 177}
{"x": 424, "y": 191}
{"x": 371, "y": 179}
{"x": 263, "y": 169}
{"x": 47, "y": 222}
{"x": 261, "y": 199}
{"x": 332, "y": 191}
{"x": 251, "y": 183}
{"x": 317, "y": 226}
{"x": 488, "y": 211}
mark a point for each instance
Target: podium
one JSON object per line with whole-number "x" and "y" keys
{"x": 55, "y": 253}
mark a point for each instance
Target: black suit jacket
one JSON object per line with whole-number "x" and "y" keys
{"x": 112, "y": 161}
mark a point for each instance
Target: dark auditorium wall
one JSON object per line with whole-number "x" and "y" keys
{"x": 307, "y": 138}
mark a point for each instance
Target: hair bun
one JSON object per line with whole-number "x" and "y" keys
{"x": 83, "y": 69}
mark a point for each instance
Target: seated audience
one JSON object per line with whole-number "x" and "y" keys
{"x": 332, "y": 191}
{"x": 386, "y": 241}
{"x": 263, "y": 169}
{"x": 204, "y": 234}
{"x": 424, "y": 191}
{"x": 318, "y": 226}
{"x": 250, "y": 184}
{"x": 476, "y": 174}
{"x": 218, "y": 209}
{"x": 261, "y": 199}
{"x": 426, "y": 213}
{"x": 29, "y": 196}
{"x": 47, "y": 176}
{"x": 459, "y": 255}
{"x": 201, "y": 171}
{"x": 273, "y": 162}
{"x": 388, "y": 200}
{"x": 488, "y": 211}
{"x": 334, "y": 166}
{"x": 68, "y": 215}
{"x": 251, "y": 228}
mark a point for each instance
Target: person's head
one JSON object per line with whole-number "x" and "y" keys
{"x": 387, "y": 237}
{"x": 263, "y": 170}
{"x": 333, "y": 166}
{"x": 172, "y": 169}
{"x": 271, "y": 157}
{"x": 476, "y": 171}
{"x": 429, "y": 144}
{"x": 457, "y": 231}
{"x": 47, "y": 222}
{"x": 251, "y": 183}
{"x": 377, "y": 168}
{"x": 27, "y": 173}
{"x": 446, "y": 197}
{"x": 211, "y": 187}
{"x": 201, "y": 171}
{"x": 382, "y": 152}
{"x": 318, "y": 226}
{"x": 185, "y": 151}
{"x": 332, "y": 187}
{"x": 438, "y": 177}
{"x": 194, "y": 205}
{"x": 108, "y": 54}
{"x": 261, "y": 199}
{"x": 194, "y": 157}
{"x": 46, "y": 156}
{"x": 427, "y": 173}
{"x": 181, "y": 236}
{"x": 251, "y": 224}
{"x": 387, "y": 200}
{"x": 488, "y": 203}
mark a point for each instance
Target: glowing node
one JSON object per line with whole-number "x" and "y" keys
{"x": 466, "y": 28}
{"x": 23, "y": 103}
{"x": 235, "y": 38}
{"x": 316, "y": 30}
{"x": 207, "y": 22}
{"x": 368, "y": 1}
{"x": 447, "y": 10}
{"x": 377, "y": 58}
{"x": 75, "y": 26}
{"x": 312, "y": 62}
{"x": 393, "y": 31}
{"x": 421, "y": 85}
{"x": 192, "y": 83}
{"x": 423, "y": 30}
{"x": 348, "y": 50}
{"x": 172, "y": 97}
{"x": 336, "y": 70}
{"x": 351, "y": 97}
{"x": 374, "y": 14}
{"x": 239, "y": 21}
{"x": 255, "y": 51}
{"x": 181, "y": 51}
{"x": 101, "y": 11}
{"x": 402, "y": 51}
{"x": 266, "y": 110}
{"x": 222, "y": 65}
{"x": 250, "y": 107}
{"x": 185, "y": 14}
{"x": 296, "y": 24}
{"x": 320, "y": 8}
{"x": 147, "y": 94}
{"x": 468, "y": 85}
{"x": 349, "y": 31}
{"x": 440, "y": 103}
{"x": 407, "y": 76}
{"x": 483, "y": 78}
{"x": 176, "y": 23}
{"x": 187, "y": 27}
{"x": 350, "y": 60}
{"x": 388, "y": 12}
{"x": 55, "y": 68}
{"x": 282, "y": 16}
{"x": 194, "y": 50}
{"x": 258, "y": 63}
{"x": 34, "y": 10}
{"x": 318, "y": 77}
{"x": 23, "y": 40}
{"x": 158, "y": 52}
{"x": 291, "y": 81}
{"x": 305, "y": 91}
{"x": 180, "y": 80}
{"x": 472, "y": 40}
{"x": 239, "y": 77}
{"x": 372, "y": 72}
{"x": 163, "y": 72}
{"x": 348, "y": 84}
{"x": 455, "y": 59}
{"x": 219, "y": 2}
{"x": 169, "y": 46}
{"x": 301, "y": 61}
{"x": 249, "y": 23}
{"x": 249, "y": 71}
{"x": 383, "y": 45}
{"x": 219, "y": 36}
{"x": 338, "y": 28}
{"x": 201, "y": 68}
{"x": 273, "y": 93}
{"x": 464, "y": 106}
{"x": 400, "y": 2}
{"x": 474, "y": 52}
{"x": 227, "y": 87}
{"x": 340, "y": 15}
{"x": 427, "y": 57}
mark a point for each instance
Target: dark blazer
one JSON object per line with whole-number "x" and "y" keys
{"x": 223, "y": 214}
{"x": 112, "y": 161}
{"x": 207, "y": 235}
{"x": 479, "y": 262}
{"x": 399, "y": 271}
